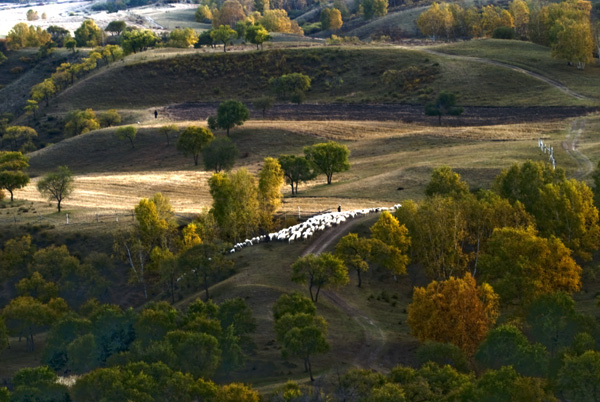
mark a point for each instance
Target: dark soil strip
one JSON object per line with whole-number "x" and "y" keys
{"x": 472, "y": 116}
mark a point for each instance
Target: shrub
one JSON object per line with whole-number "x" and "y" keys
{"x": 504, "y": 33}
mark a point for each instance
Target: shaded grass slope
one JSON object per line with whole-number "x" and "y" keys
{"x": 245, "y": 76}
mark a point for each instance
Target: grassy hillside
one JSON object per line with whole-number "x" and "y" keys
{"x": 216, "y": 77}
{"x": 531, "y": 57}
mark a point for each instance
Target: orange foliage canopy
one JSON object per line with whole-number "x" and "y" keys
{"x": 454, "y": 311}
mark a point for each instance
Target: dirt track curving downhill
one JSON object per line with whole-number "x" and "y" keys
{"x": 374, "y": 337}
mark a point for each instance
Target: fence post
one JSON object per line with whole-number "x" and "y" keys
{"x": 67, "y": 218}
{"x": 117, "y": 216}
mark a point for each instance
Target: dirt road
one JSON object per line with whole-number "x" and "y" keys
{"x": 374, "y": 341}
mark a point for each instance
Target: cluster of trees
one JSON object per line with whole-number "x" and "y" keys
{"x": 509, "y": 250}
{"x": 18, "y": 138}
{"x": 300, "y": 331}
{"x": 67, "y": 73}
{"x": 111, "y": 346}
{"x": 234, "y": 13}
{"x": 323, "y": 158}
{"x": 386, "y": 248}
{"x": 564, "y": 26}
{"x": 21, "y": 36}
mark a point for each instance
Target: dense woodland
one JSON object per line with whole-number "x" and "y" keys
{"x": 143, "y": 313}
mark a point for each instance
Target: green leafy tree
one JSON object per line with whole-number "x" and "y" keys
{"x": 109, "y": 118}
{"x": 231, "y": 113}
{"x": 579, "y": 378}
{"x": 80, "y": 122}
{"x": 355, "y": 252}
{"x": 293, "y": 303}
{"x": 88, "y": 34}
{"x": 62, "y": 332}
{"x": 58, "y": 34}
{"x": 263, "y": 103}
{"x": 506, "y": 385}
{"x": 507, "y": 346}
{"x": 223, "y": 34}
{"x": 39, "y": 384}
{"x": 57, "y": 185}
{"x": 302, "y": 335}
{"x": 220, "y": 154}
{"x": 31, "y": 107}
{"x": 257, "y": 34}
{"x": 19, "y": 137}
{"x": 192, "y": 140}
{"x": 116, "y": 27}
{"x": 270, "y": 181}
{"x": 36, "y": 287}
{"x": 154, "y": 228}
{"x": 26, "y": 316}
{"x": 289, "y": 84}
{"x": 574, "y": 41}
{"x": 44, "y": 90}
{"x": 322, "y": 271}
{"x": 445, "y": 182}
{"x": 328, "y": 158}
{"x": 374, "y": 8}
{"x": 554, "y": 322}
{"x": 235, "y": 203}
{"x": 168, "y": 130}
{"x": 206, "y": 262}
{"x": 296, "y": 169}
{"x": 444, "y": 105}
{"x": 443, "y": 354}
{"x": 127, "y": 133}
{"x": 137, "y": 40}
{"x": 12, "y": 177}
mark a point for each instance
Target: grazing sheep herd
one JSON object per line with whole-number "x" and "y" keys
{"x": 304, "y": 230}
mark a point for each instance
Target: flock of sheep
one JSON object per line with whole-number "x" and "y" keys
{"x": 308, "y": 228}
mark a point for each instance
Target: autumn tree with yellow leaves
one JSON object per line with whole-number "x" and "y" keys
{"x": 454, "y": 311}
{"x": 521, "y": 265}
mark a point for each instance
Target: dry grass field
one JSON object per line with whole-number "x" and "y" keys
{"x": 385, "y": 156}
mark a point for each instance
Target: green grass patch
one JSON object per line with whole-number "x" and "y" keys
{"x": 532, "y": 57}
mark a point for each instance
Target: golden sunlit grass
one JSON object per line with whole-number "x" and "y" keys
{"x": 385, "y": 156}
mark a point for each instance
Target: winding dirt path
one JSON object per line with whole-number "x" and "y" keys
{"x": 570, "y": 145}
{"x": 558, "y": 85}
{"x": 374, "y": 337}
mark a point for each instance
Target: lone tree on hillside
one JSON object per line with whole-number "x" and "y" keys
{"x": 168, "y": 129}
{"x": 127, "y": 133}
{"x": 192, "y": 140}
{"x": 322, "y": 271}
{"x": 444, "y": 105}
{"x": 289, "y": 84}
{"x": 263, "y": 103}
{"x": 296, "y": 169}
{"x": 220, "y": 154}
{"x": 328, "y": 158}
{"x": 230, "y": 113}
{"x": 57, "y": 185}
{"x": 12, "y": 176}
